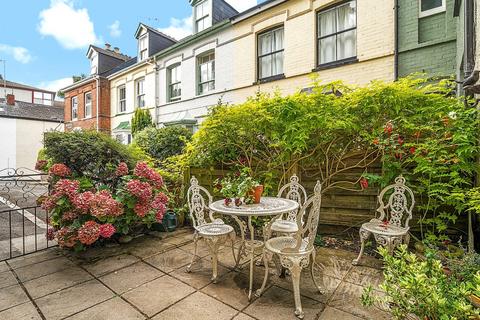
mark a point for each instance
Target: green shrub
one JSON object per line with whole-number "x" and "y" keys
{"x": 163, "y": 143}
{"x": 87, "y": 153}
{"x": 141, "y": 119}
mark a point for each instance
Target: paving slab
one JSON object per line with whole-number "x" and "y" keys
{"x": 24, "y": 311}
{"x": 347, "y": 299}
{"x": 170, "y": 260}
{"x": 130, "y": 277}
{"x": 113, "y": 309}
{"x": 12, "y": 296}
{"x": 336, "y": 266}
{"x": 40, "y": 269}
{"x": 157, "y": 295}
{"x": 365, "y": 276}
{"x": 179, "y": 239}
{"x": 67, "y": 302}
{"x": 110, "y": 264}
{"x": 35, "y": 258}
{"x": 201, "y": 306}
{"x": 334, "y": 314}
{"x": 278, "y": 304}
{"x": 243, "y": 316}
{"x": 200, "y": 275}
{"x": 202, "y": 249}
{"x": 7, "y": 279}
{"x": 57, "y": 281}
{"x": 147, "y": 247}
{"x": 4, "y": 267}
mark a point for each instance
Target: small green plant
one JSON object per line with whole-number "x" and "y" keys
{"x": 237, "y": 186}
{"x": 422, "y": 288}
{"x": 141, "y": 119}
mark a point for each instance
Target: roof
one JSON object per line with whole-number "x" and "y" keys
{"x": 141, "y": 24}
{"x": 120, "y": 67}
{"x": 263, "y": 6}
{"x": 110, "y": 53}
{"x": 17, "y": 85}
{"x": 182, "y": 117}
{"x": 31, "y": 111}
{"x": 125, "y": 125}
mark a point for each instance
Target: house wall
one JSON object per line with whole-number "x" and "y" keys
{"x": 235, "y": 56}
{"x": 20, "y": 94}
{"x": 23, "y": 140}
{"x": 427, "y": 44}
{"x": 89, "y": 123}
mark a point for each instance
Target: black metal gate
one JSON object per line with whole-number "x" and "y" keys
{"x": 23, "y": 223}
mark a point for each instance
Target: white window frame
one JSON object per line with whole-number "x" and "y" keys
{"x": 94, "y": 63}
{"x": 122, "y": 101}
{"x": 88, "y": 106}
{"x": 140, "y": 96}
{"x": 210, "y": 54}
{"x": 203, "y": 18}
{"x": 171, "y": 84}
{"x": 41, "y": 98}
{"x": 422, "y": 14}
{"x": 74, "y": 106}
{"x": 143, "y": 50}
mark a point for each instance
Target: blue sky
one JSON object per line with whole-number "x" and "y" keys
{"x": 45, "y": 41}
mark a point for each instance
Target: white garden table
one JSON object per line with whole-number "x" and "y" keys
{"x": 268, "y": 207}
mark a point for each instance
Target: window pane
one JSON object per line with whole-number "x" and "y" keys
{"x": 265, "y": 44}
{"x": 277, "y": 64}
{"x": 346, "y": 45}
{"x": 278, "y": 40}
{"x": 266, "y": 67}
{"x": 430, "y": 4}
{"x": 346, "y": 17}
{"x": 327, "y": 50}
{"x": 326, "y": 24}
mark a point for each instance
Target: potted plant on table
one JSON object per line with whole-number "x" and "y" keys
{"x": 239, "y": 188}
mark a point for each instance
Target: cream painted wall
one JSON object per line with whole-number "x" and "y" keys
{"x": 21, "y": 140}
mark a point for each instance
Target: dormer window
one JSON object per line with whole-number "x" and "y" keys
{"x": 94, "y": 63}
{"x": 143, "y": 47}
{"x": 202, "y": 16}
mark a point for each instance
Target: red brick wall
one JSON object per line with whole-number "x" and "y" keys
{"x": 104, "y": 106}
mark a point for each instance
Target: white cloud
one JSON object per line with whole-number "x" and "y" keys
{"x": 178, "y": 28}
{"x": 71, "y": 27}
{"x": 115, "y": 31}
{"x": 242, "y": 5}
{"x": 55, "y": 85}
{"x": 20, "y": 54}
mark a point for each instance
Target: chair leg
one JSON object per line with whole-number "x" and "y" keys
{"x": 232, "y": 238}
{"x": 195, "y": 242}
{"x": 364, "y": 235}
{"x": 213, "y": 245}
{"x": 296, "y": 272}
{"x": 312, "y": 266}
{"x": 267, "y": 256}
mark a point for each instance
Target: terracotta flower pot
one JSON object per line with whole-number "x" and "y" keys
{"x": 257, "y": 194}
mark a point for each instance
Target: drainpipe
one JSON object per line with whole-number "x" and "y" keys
{"x": 97, "y": 78}
{"x": 395, "y": 27}
{"x": 469, "y": 38}
{"x": 153, "y": 61}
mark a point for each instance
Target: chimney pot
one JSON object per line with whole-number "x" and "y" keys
{"x": 10, "y": 99}
{"x": 116, "y": 49}
{"x": 107, "y": 46}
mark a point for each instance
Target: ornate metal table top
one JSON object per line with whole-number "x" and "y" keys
{"x": 268, "y": 206}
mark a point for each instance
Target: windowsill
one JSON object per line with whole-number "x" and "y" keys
{"x": 270, "y": 79}
{"x": 176, "y": 100}
{"x": 87, "y": 118}
{"x": 431, "y": 12}
{"x": 336, "y": 64}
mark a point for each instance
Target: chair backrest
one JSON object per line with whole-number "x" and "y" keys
{"x": 293, "y": 191}
{"x": 396, "y": 203}
{"x": 197, "y": 205}
{"x": 308, "y": 219}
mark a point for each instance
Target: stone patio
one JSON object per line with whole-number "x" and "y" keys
{"x": 145, "y": 279}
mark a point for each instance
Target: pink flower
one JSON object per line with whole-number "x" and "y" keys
{"x": 60, "y": 170}
{"x": 159, "y": 216}
{"x": 144, "y": 171}
{"x": 69, "y": 216}
{"x": 65, "y": 187}
{"x": 50, "y": 202}
{"x": 159, "y": 201}
{"x": 41, "y": 164}
{"x": 103, "y": 205}
{"x": 50, "y": 234}
{"x": 89, "y": 232}
{"x": 83, "y": 201}
{"x": 139, "y": 189}
{"x": 107, "y": 230}
{"x": 364, "y": 183}
{"x": 66, "y": 237}
{"x": 141, "y": 209}
{"x": 122, "y": 170}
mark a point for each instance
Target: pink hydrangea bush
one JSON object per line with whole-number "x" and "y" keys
{"x": 83, "y": 213}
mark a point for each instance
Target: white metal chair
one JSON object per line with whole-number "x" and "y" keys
{"x": 215, "y": 233}
{"x": 287, "y": 225}
{"x": 391, "y": 228}
{"x": 297, "y": 252}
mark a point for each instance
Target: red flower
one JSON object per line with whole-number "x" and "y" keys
{"x": 41, "y": 164}
{"x": 412, "y": 150}
{"x": 65, "y": 187}
{"x": 107, "y": 230}
{"x": 159, "y": 216}
{"x": 160, "y": 200}
{"x": 139, "y": 189}
{"x": 364, "y": 183}
{"x": 400, "y": 140}
{"x": 141, "y": 209}
{"x": 122, "y": 170}
{"x": 83, "y": 201}
{"x": 398, "y": 155}
{"x": 376, "y": 141}
{"x": 66, "y": 237}
{"x": 388, "y": 128}
{"x": 50, "y": 234}
{"x": 103, "y": 205}
{"x": 50, "y": 202}
{"x": 89, "y": 232}
{"x": 69, "y": 216}
{"x": 144, "y": 171}
{"x": 227, "y": 201}
{"x": 60, "y": 170}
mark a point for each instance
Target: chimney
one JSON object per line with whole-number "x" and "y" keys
{"x": 10, "y": 99}
{"x": 108, "y": 46}
{"x": 116, "y": 49}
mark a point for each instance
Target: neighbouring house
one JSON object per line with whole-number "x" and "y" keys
{"x": 87, "y": 102}
{"x": 22, "y": 125}
{"x": 275, "y": 46}
{"x": 133, "y": 84}
{"x": 26, "y": 93}
{"x": 427, "y": 37}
